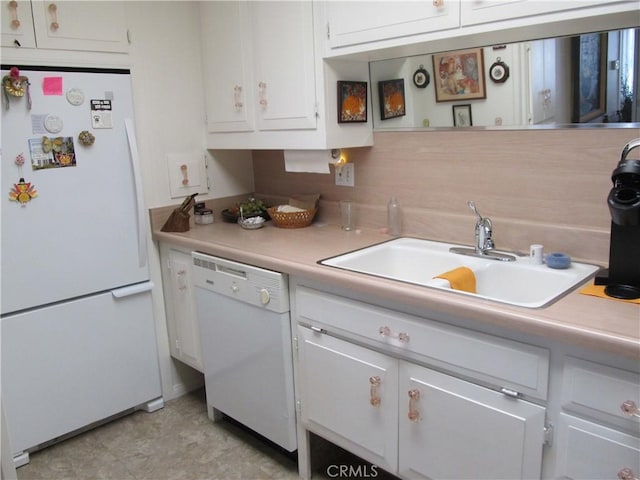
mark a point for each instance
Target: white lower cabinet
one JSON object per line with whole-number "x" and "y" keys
{"x": 182, "y": 323}
{"x": 599, "y": 426}
{"x": 450, "y": 428}
{"x": 587, "y": 450}
{"x": 349, "y": 395}
{"x": 414, "y": 421}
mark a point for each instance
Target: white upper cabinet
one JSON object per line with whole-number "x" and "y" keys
{"x": 284, "y": 63}
{"x": 264, "y": 79}
{"x": 259, "y": 66}
{"x": 474, "y": 12}
{"x": 65, "y": 25}
{"x": 353, "y": 23}
{"x": 387, "y": 29}
{"x": 227, "y": 66}
{"x": 78, "y": 25}
{"x": 17, "y": 24}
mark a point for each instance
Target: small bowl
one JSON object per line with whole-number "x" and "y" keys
{"x": 251, "y": 223}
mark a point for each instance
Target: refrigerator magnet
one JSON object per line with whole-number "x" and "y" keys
{"x": 15, "y": 85}
{"x": 86, "y": 138}
{"x": 22, "y": 192}
{"x": 53, "y": 124}
{"x": 75, "y": 96}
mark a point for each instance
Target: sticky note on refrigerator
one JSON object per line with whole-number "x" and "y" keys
{"x": 52, "y": 85}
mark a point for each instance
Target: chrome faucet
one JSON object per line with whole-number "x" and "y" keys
{"x": 484, "y": 242}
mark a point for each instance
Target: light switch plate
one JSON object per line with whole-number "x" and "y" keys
{"x": 345, "y": 175}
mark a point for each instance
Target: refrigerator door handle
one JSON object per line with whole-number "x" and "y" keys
{"x": 132, "y": 289}
{"x": 137, "y": 178}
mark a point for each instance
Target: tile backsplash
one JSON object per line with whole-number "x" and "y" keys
{"x": 537, "y": 186}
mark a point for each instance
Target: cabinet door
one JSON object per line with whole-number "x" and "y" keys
{"x": 226, "y": 50}
{"x": 17, "y": 24}
{"x": 348, "y": 395}
{"x": 81, "y": 25}
{"x": 182, "y": 324}
{"x": 353, "y": 23}
{"x": 590, "y": 451}
{"x": 474, "y": 12}
{"x": 544, "y": 93}
{"x": 450, "y": 428}
{"x": 284, "y": 63}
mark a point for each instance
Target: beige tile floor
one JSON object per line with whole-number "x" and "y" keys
{"x": 178, "y": 442}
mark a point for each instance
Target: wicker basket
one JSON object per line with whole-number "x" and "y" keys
{"x": 291, "y": 219}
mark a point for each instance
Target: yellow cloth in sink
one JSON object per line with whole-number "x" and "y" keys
{"x": 461, "y": 278}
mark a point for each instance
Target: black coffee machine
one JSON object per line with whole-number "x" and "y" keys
{"x": 623, "y": 277}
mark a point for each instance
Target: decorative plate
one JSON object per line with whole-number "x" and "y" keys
{"x": 499, "y": 71}
{"x": 421, "y": 77}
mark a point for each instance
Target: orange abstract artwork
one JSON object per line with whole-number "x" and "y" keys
{"x": 352, "y": 102}
{"x": 392, "y": 103}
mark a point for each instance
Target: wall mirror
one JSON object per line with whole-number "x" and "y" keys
{"x": 585, "y": 79}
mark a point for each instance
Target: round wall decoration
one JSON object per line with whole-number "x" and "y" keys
{"x": 499, "y": 71}
{"x": 421, "y": 77}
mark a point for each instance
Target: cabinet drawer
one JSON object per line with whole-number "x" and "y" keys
{"x": 590, "y": 451}
{"x": 600, "y": 391}
{"x": 490, "y": 360}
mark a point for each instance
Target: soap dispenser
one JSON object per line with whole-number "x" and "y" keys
{"x": 394, "y": 217}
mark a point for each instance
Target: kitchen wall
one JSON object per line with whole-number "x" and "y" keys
{"x": 168, "y": 92}
{"x": 538, "y": 186}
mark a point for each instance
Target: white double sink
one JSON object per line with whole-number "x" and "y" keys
{"x": 417, "y": 261}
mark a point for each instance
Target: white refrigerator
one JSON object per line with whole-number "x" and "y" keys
{"x": 78, "y": 341}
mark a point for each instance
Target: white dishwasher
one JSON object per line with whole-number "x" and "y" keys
{"x": 243, "y": 313}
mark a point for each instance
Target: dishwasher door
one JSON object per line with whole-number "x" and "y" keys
{"x": 248, "y": 365}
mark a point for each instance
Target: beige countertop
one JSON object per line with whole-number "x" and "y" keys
{"x": 592, "y": 322}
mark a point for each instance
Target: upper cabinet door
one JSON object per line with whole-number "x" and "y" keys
{"x": 226, "y": 50}
{"x": 353, "y": 23}
{"x": 475, "y": 12}
{"x": 17, "y": 24}
{"x": 81, "y": 25}
{"x": 284, "y": 62}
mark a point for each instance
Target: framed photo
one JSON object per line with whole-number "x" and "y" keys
{"x": 392, "y": 102}
{"x": 459, "y": 75}
{"x": 589, "y": 76}
{"x": 352, "y": 102}
{"x": 462, "y": 115}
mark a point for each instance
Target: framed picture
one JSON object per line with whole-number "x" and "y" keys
{"x": 589, "y": 76}
{"x": 459, "y": 75}
{"x": 462, "y": 115}
{"x": 392, "y": 103}
{"x": 352, "y": 102}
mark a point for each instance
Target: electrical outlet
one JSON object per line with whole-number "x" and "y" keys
{"x": 345, "y": 175}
